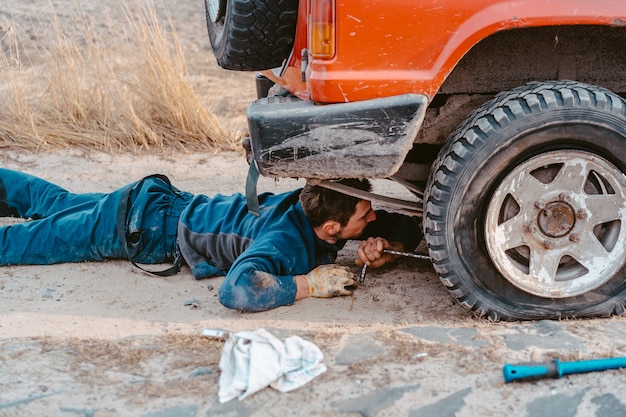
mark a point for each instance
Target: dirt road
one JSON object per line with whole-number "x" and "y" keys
{"x": 102, "y": 339}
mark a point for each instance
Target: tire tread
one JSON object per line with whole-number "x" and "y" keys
{"x": 473, "y": 132}
{"x": 259, "y": 35}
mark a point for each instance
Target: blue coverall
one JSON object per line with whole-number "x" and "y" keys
{"x": 215, "y": 235}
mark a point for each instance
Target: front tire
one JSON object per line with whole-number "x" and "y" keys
{"x": 525, "y": 205}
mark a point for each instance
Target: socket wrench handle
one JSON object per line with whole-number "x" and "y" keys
{"x": 392, "y": 252}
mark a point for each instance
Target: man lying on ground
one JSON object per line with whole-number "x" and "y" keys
{"x": 284, "y": 254}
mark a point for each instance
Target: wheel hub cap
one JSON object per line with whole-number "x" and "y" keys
{"x": 557, "y": 219}
{"x": 555, "y": 224}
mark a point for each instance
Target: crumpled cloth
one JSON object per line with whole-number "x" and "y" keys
{"x": 253, "y": 360}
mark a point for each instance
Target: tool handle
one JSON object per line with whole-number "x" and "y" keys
{"x": 531, "y": 370}
{"x": 557, "y": 369}
{"x": 592, "y": 365}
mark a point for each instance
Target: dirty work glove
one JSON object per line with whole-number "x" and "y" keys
{"x": 331, "y": 280}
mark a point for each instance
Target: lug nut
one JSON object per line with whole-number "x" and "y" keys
{"x": 548, "y": 244}
{"x": 574, "y": 238}
{"x": 540, "y": 204}
{"x": 581, "y": 214}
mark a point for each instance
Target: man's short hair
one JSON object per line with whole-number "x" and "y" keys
{"x": 321, "y": 204}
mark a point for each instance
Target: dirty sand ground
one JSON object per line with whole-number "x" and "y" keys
{"x": 102, "y": 339}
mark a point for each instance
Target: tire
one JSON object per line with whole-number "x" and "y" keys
{"x": 524, "y": 205}
{"x": 251, "y": 35}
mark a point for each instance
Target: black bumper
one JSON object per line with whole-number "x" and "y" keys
{"x": 295, "y": 138}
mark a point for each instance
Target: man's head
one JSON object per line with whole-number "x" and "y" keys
{"x": 335, "y": 215}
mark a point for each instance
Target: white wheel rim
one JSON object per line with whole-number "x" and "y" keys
{"x": 560, "y": 238}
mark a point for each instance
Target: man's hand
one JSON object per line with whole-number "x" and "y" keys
{"x": 331, "y": 280}
{"x": 371, "y": 252}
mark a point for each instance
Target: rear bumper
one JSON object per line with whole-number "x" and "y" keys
{"x": 295, "y": 138}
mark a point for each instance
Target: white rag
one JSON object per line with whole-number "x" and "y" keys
{"x": 253, "y": 360}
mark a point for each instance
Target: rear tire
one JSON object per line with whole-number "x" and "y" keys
{"x": 493, "y": 242}
{"x": 251, "y": 35}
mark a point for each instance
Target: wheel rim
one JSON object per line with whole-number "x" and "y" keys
{"x": 554, "y": 224}
{"x": 215, "y": 9}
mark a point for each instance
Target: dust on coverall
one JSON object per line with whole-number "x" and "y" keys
{"x": 216, "y": 235}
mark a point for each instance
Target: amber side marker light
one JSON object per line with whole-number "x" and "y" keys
{"x": 322, "y": 28}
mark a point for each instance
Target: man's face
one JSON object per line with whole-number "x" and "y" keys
{"x": 363, "y": 214}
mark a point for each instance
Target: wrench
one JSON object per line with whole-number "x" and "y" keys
{"x": 392, "y": 252}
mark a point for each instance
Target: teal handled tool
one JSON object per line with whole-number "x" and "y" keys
{"x": 557, "y": 369}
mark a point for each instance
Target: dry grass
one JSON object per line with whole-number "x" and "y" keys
{"x": 112, "y": 85}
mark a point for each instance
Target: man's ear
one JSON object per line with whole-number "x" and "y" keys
{"x": 331, "y": 227}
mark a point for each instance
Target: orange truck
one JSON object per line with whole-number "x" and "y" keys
{"x": 505, "y": 119}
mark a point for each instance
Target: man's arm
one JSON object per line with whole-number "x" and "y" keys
{"x": 255, "y": 290}
{"x": 254, "y": 282}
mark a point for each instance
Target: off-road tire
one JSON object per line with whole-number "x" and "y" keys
{"x": 253, "y": 35}
{"x": 534, "y": 121}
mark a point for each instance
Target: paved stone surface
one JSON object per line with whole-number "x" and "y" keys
{"x": 544, "y": 334}
{"x": 181, "y": 411}
{"x": 462, "y": 336}
{"x": 201, "y": 371}
{"x": 374, "y": 374}
{"x": 446, "y": 407}
{"x": 558, "y": 405}
{"x": 370, "y": 404}
{"x": 230, "y": 409}
{"x": 359, "y": 348}
{"x": 609, "y": 406}
{"x": 81, "y": 411}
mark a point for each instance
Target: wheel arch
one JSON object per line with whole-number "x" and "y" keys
{"x": 591, "y": 54}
